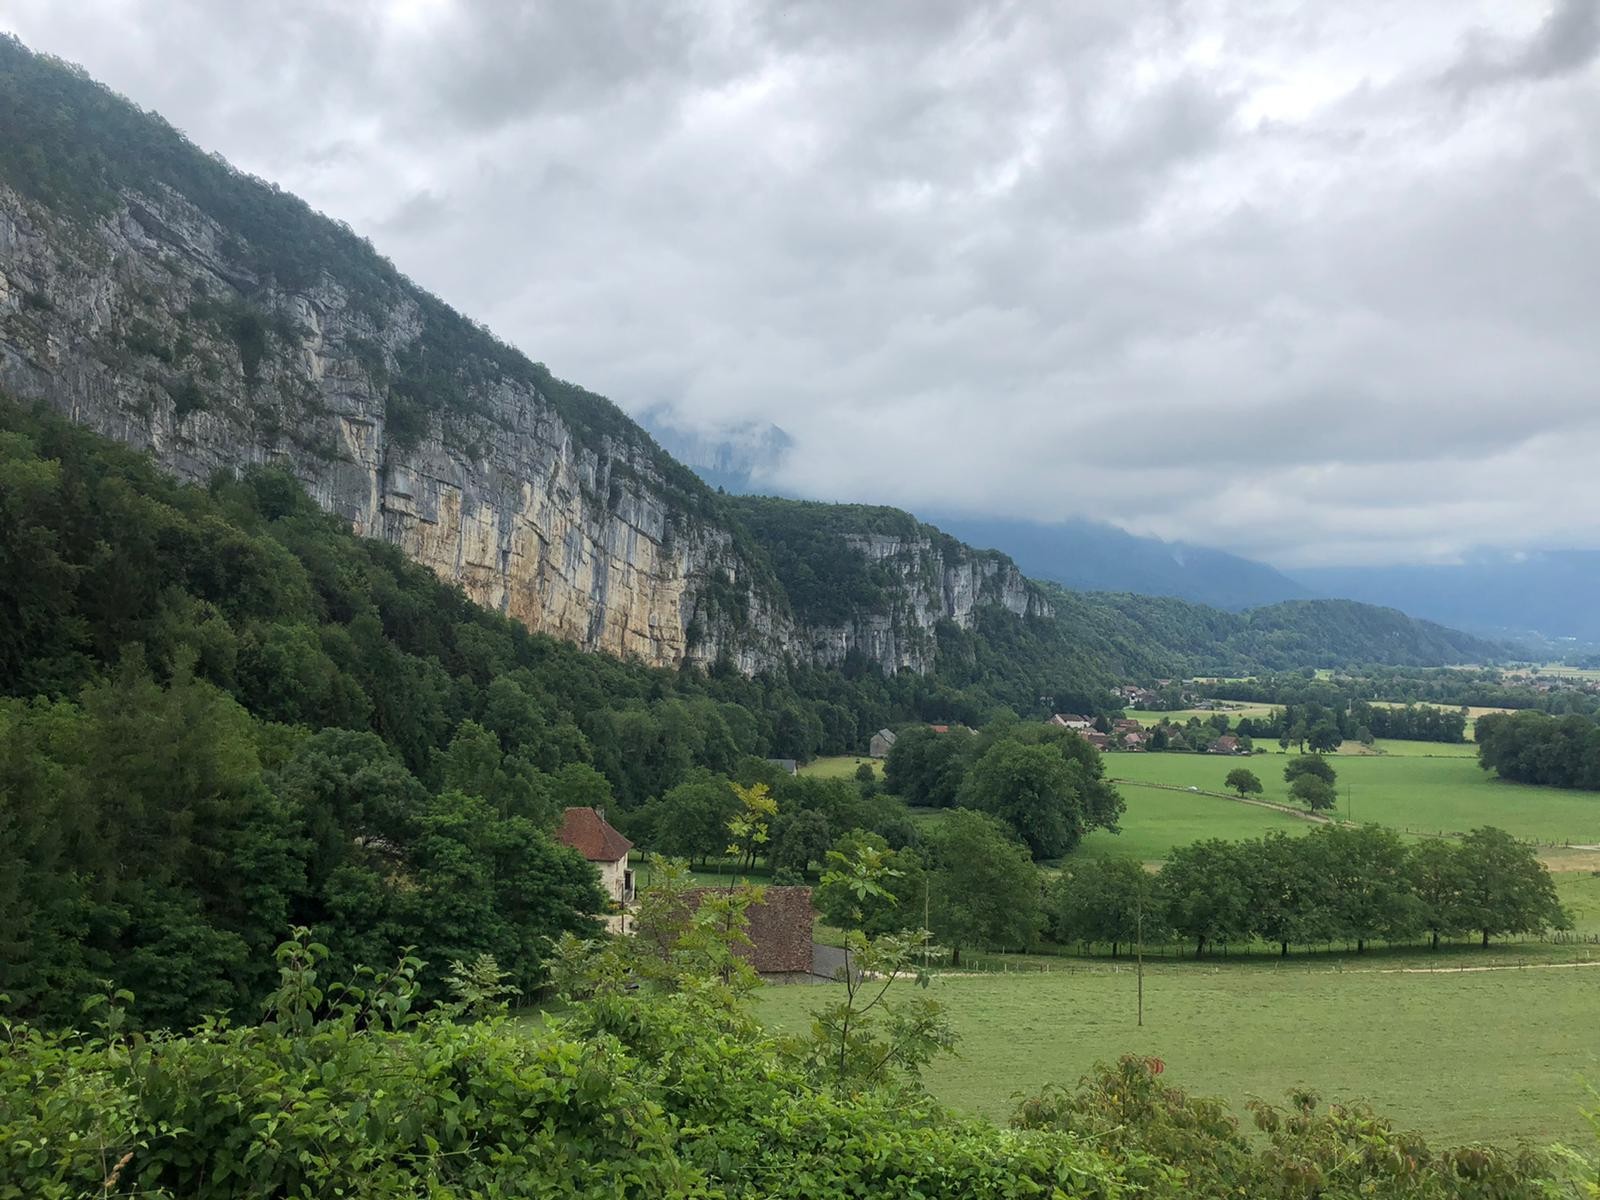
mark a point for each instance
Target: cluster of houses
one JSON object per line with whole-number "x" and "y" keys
{"x": 1123, "y": 733}
{"x": 781, "y": 927}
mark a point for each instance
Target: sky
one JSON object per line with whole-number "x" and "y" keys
{"x": 1313, "y": 282}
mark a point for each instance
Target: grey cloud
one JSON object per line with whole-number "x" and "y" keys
{"x": 1239, "y": 274}
{"x": 1565, "y": 42}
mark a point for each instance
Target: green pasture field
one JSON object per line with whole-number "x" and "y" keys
{"x": 1158, "y": 819}
{"x": 1404, "y": 749}
{"x": 841, "y": 766}
{"x": 1497, "y": 1056}
{"x": 1563, "y": 671}
{"x": 1411, "y": 792}
{"x": 1180, "y": 716}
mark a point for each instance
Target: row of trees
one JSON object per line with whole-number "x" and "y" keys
{"x": 1044, "y": 782}
{"x": 1335, "y": 884}
{"x": 1532, "y": 747}
{"x": 1440, "y": 687}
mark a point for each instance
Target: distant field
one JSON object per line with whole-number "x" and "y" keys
{"x": 1407, "y": 749}
{"x": 1491, "y": 1055}
{"x": 1448, "y": 793}
{"x": 1566, "y": 672}
{"x": 1158, "y": 820}
{"x": 841, "y": 767}
{"x": 1179, "y": 716}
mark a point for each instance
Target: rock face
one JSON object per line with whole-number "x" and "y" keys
{"x": 931, "y": 585}
{"x": 154, "y": 324}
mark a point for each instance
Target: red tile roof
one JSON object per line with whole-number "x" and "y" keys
{"x": 587, "y": 832}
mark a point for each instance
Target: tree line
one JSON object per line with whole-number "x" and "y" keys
{"x": 1336, "y": 884}
{"x": 1323, "y": 727}
{"x": 1533, "y": 747}
{"x": 1439, "y": 687}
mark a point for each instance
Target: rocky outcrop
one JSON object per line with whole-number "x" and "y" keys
{"x": 143, "y": 326}
{"x": 154, "y": 324}
{"x": 930, "y": 583}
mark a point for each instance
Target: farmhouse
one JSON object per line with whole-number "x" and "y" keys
{"x": 588, "y": 832}
{"x": 1226, "y": 744}
{"x": 881, "y": 743}
{"x": 1071, "y": 721}
{"x": 787, "y": 765}
{"x": 1095, "y": 738}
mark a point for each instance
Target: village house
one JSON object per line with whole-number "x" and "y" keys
{"x": 588, "y": 832}
{"x": 882, "y": 742}
{"x": 1100, "y": 741}
{"x": 1132, "y": 739}
{"x": 1227, "y": 744}
{"x": 1072, "y": 721}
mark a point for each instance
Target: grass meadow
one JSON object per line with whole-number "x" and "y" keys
{"x": 1460, "y": 1055}
{"x": 1418, "y": 789}
{"x": 842, "y": 766}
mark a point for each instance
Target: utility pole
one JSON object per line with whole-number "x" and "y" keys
{"x": 926, "y": 932}
{"x": 1139, "y": 956}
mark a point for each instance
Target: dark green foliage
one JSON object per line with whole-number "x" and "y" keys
{"x": 1205, "y": 888}
{"x": 1504, "y": 888}
{"x": 1313, "y": 766}
{"x": 1107, "y": 901}
{"x": 926, "y": 768}
{"x": 147, "y": 842}
{"x": 1316, "y": 794}
{"x": 984, "y": 890}
{"x": 1046, "y": 783}
{"x": 898, "y": 907}
{"x": 1165, "y": 1135}
{"x": 1532, "y": 747}
{"x": 1244, "y": 781}
{"x": 1342, "y": 884}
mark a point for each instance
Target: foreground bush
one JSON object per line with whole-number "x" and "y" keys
{"x": 1162, "y": 1133}
{"x": 640, "y": 1091}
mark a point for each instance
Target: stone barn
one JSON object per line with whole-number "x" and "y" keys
{"x": 780, "y": 931}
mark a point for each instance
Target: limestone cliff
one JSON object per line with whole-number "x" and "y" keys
{"x": 153, "y": 293}
{"x": 142, "y": 326}
{"x": 930, "y": 584}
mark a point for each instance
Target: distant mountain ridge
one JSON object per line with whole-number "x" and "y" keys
{"x": 1093, "y": 556}
{"x": 1547, "y": 597}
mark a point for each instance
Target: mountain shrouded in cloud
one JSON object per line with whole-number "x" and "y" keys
{"x": 1310, "y": 283}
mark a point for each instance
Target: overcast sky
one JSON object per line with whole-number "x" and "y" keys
{"x": 1319, "y": 283}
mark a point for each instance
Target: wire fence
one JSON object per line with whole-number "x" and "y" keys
{"x": 1329, "y": 955}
